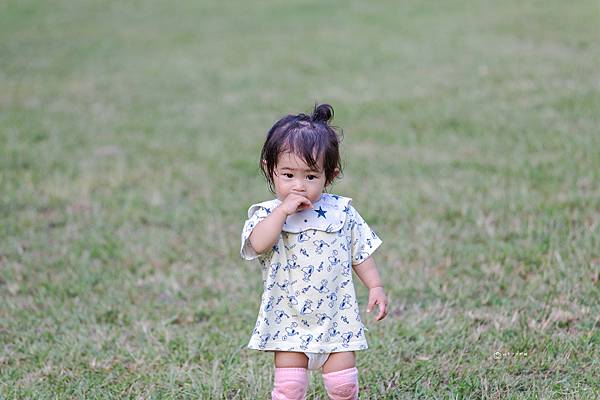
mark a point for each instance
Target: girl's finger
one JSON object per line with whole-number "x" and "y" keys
{"x": 382, "y": 309}
{"x": 381, "y": 312}
{"x": 370, "y": 305}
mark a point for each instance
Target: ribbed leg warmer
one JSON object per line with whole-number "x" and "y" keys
{"x": 342, "y": 385}
{"x": 290, "y": 384}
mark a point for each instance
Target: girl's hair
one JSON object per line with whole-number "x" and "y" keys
{"x": 309, "y": 137}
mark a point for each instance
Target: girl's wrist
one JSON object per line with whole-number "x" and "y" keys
{"x": 375, "y": 287}
{"x": 281, "y": 211}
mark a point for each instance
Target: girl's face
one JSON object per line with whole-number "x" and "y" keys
{"x": 292, "y": 175}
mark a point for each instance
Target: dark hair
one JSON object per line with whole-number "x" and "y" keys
{"x": 305, "y": 136}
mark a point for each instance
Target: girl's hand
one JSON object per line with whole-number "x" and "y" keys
{"x": 377, "y": 296}
{"x": 294, "y": 203}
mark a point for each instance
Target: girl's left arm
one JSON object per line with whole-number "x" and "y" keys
{"x": 368, "y": 274}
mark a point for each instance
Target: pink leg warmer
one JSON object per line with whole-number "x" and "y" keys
{"x": 290, "y": 384}
{"x": 342, "y": 385}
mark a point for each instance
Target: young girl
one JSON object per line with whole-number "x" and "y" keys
{"x": 308, "y": 242}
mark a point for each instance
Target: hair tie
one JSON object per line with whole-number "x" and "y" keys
{"x": 322, "y": 113}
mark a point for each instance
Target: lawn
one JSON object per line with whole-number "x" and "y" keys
{"x": 130, "y": 134}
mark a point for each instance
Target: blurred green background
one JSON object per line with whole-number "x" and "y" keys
{"x": 130, "y": 134}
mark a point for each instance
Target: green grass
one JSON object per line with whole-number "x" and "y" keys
{"x": 129, "y": 142}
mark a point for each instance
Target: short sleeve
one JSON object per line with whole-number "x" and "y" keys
{"x": 364, "y": 240}
{"x": 246, "y": 251}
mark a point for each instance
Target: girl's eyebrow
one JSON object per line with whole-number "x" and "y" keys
{"x": 305, "y": 170}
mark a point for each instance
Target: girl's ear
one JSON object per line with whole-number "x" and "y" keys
{"x": 264, "y": 163}
{"x": 336, "y": 172}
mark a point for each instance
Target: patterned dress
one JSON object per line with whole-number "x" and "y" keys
{"x": 309, "y": 302}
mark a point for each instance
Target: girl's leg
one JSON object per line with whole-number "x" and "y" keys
{"x": 340, "y": 376}
{"x": 291, "y": 376}
{"x": 339, "y": 361}
{"x": 290, "y": 359}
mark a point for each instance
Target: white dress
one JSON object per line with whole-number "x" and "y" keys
{"x": 309, "y": 303}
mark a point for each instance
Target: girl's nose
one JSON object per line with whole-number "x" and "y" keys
{"x": 299, "y": 187}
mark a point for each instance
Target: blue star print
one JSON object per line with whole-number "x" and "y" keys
{"x": 321, "y": 212}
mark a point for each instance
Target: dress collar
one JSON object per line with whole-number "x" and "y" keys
{"x": 328, "y": 214}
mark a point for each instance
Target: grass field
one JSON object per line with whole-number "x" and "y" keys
{"x": 129, "y": 142}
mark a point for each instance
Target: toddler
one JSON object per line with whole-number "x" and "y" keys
{"x": 308, "y": 242}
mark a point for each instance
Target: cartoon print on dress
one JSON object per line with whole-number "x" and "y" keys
{"x": 306, "y": 235}
{"x": 346, "y": 266}
{"x": 362, "y": 255}
{"x": 306, "y": 308}
{"x": 269, "y": 306}
{"x": 320, "y": 303}
{"x": 320, "y": 267}
{"x": 333, "y": 332}
{"x": 269, "y": 287}
{"x": 279, "y": 314}
{"x": 306, "y": 289}
{"x": 319, "y": 244}
{"x": 334, "y": 260}
{"x": 305, "y": 323}
{"x": 279, "y": 300}
{"x": 345, "y": 304}
{"x": 291, "y": 263}
{"x": 308, "y": 271}
{"x": 275, "y": 248}
{"x": 263, "y": 340}
{"x": 322, "y": 317}
{"x": 304, "y": 252}
{"x": 357, "y": 312}
{"x": 332, "y": 297}
{"x": 274, "y": 268}
{"x": 330, "y": 228}
{"x": 306, "y": 339}
{"x": 345, "y": 319}
{"x": 344, "y": 246}
{"x": 275, "y": 336}
{"x": 291, "y": 330}
{"x": 292, "y": 299}
{"x": 284, "y": 286}
{"x": 345, "y": 283}
{"x": 346, "y": 338}
{"x": 323, "y": 288}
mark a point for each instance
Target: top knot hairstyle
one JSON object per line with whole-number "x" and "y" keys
{"x": 310, "y": 137}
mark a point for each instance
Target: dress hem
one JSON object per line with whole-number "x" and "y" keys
{"x": 353, "y": 346}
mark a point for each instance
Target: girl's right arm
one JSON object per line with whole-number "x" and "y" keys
{"x": 265, "y": 233}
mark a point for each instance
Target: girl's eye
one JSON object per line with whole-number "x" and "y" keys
{"x": 311, "y": 177}
{"x": 288, "y": 175}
